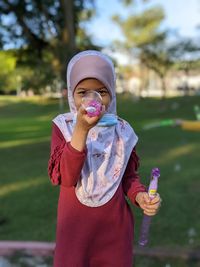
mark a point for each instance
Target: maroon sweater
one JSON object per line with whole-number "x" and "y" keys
{"x": 91, "y": 236}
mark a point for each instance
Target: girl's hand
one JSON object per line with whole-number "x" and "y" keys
{"x": 149, "y": 206}
{"x": 85, "y": 122}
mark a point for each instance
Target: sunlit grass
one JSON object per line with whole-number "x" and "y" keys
{"x": 18, "y": 186}
{"x": 14, "y": 143}
{"x": 177, "y": 152}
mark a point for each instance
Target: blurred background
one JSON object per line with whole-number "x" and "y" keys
{"x": 155, "y": 46}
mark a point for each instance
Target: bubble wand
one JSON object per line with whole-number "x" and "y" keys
{"x": 162, "y": 123}
{"x": 143, "y": 239}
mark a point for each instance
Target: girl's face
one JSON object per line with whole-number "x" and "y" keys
{"x": 91, "y": 85}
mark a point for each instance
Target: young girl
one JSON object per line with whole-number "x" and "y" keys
{"x": 94, "y": 161}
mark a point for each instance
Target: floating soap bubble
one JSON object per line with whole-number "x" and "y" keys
{"x": 92, "y": 103}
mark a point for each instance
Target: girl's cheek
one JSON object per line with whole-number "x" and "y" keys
{"x": 107, "y": 104}
{"x": 77, "y": 102}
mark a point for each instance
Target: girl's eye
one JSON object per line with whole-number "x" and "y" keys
{"x": 102, "y": 92}
{"x": 81, "y": 93}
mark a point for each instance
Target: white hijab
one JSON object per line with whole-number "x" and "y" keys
{"x": 109, "y": 148}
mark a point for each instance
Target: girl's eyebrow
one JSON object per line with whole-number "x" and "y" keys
{"x": 85, "y": 88}
{"x": 80, "y": 88}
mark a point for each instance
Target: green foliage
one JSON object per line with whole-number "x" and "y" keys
{"x": 47, "y": 33}
{"x": 39, "y": 24}
{"x": 7, "y": 67}
{"x": 7, "y": 63}
{"x": 34, "y": 72}
{"x": 187, "y": 65}
{"x": 185, "y": 55}
{"x": 142, "y": 29}
{"x": 20, "y": 69}
{"x": 157, "y": 59}
{"x": 129, "y": 2}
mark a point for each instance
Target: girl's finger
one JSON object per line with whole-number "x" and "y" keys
{"x": 146, "y": 198}
{"x": 156, "y": 199}
{"x": 150, "y": 213}
{"x": 152, "y": 207}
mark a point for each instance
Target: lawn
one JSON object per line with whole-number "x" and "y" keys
{"x": 28, "y": 201}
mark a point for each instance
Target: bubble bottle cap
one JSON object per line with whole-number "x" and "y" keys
{"x": 92, "y": 103}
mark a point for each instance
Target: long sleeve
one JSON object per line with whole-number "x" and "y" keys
{"x": 131, "y": 180}
{"x": 65, "y": 163}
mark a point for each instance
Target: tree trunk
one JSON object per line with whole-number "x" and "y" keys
{"x": 69, "y": 38}
{"x": 163, "y": 86}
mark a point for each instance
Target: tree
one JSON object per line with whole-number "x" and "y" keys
{"x": 39, "y": 23}
{"x": 157, "y": 58}
{"x": 46, "y": 32}
{"x": 186, "y": 57}
{"x": 141, "y": 31}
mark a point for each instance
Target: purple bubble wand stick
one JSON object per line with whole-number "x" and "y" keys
{"x": 144, "y": 233}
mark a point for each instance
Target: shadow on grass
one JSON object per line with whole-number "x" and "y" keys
{"x": 23, "y": 259}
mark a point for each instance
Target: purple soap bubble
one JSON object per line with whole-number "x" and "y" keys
{"x": 92, "y": 103}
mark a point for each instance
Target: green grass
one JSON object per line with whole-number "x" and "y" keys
{"x": 176, "y": 153}
{"x": 28, "y": 201}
